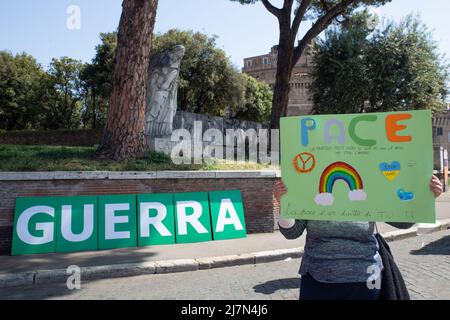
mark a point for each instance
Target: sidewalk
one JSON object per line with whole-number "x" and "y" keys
{"x": 180, "y": 257}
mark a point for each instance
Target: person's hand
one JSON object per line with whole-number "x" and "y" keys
{"x": 436, "y": 186}
{"x": 279, "y": 190}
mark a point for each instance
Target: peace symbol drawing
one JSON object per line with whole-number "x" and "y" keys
{"x": 304, "y": 162}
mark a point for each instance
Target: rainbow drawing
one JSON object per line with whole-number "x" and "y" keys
{"x": 335, "y": 172}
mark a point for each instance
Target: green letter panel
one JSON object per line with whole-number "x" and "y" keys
{"x": 148, "y": 234}
{"x": 194, "y": 230}
{"x": 117, "y": 226}
{"x": 77, "y": 221}
{"x": 34, "y": 226}
{"x": 231, "y": 224}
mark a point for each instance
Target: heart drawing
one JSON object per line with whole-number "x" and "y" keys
{"x": 390, "y": 171}
{"x": 405, "y": 195}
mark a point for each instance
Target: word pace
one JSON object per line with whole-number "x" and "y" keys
{"x": 67, "y": 224}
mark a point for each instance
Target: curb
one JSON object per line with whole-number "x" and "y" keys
{"x": 60, "y": 276}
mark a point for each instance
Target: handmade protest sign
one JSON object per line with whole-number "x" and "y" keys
{"x": 117, "y": 221}
{"x": 192, "y": 217}
{"x": 39, "y": 213}
{"x": 358, "y": 167}
{"x": 227, "y": 214}
{"x": 77, "y": 221}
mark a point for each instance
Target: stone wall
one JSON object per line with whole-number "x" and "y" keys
{"x": 260, "y": 211}
{"x": 185, "y": 120}
{"x": 441, "y": 130}
{"x": 264, "y": 69}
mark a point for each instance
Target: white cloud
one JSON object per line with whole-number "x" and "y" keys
{"x": 378, "y": 11}
{"x": 324, "y": 199}
{"x": 357, "y": 195}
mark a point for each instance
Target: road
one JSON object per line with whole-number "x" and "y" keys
{"x": 424, "y": 261}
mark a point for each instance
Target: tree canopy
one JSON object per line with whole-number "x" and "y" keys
{"x": 208, "y": 82}
{"x": 257, "y": 101}
{"x": 22, "y": 91}
{"x": 207, "y": 78}
{"x": 398, "y": 67}
{"x": 96, "y": 78}
{"x": 64, "y": 107}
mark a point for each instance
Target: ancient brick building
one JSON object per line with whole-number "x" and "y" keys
{"x": 264, "y": 69}
{"x": 441, "y": 129}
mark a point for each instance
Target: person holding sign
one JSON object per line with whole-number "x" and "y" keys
{"x": 341, "y": 259}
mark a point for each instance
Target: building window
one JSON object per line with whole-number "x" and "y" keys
{"x": 249, "y": 63}
{"x": 265, "y": 61}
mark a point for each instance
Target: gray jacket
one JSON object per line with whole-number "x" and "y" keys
{"x": 338, "y": 252}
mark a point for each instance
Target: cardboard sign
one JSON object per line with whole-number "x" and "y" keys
{"x": 40, "y": 213}
{"x": 191, "y": 224}
{"x": 358, "y": 167}
{"x": 64, "y": 224}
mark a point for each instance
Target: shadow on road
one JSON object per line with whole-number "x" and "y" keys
{"x": 272, "y": 286}
{"x": 50, "y": 291}
{"x": 438, "y": 247}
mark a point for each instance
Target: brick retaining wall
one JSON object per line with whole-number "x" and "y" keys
{"x": 82, "y": 138}
{"x": 256, "y": 187}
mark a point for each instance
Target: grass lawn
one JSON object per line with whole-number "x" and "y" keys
{"x": 54, "y": 158}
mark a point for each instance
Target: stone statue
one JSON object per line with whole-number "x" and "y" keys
{"x": 164, "y": 70}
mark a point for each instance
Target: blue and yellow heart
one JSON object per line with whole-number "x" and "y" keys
{"x": 390, "y": 171}
{"x": 405, "y": 195}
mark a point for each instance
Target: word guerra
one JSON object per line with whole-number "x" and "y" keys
{"x": 212, "y": 145}
{"x": 66, "y": 224}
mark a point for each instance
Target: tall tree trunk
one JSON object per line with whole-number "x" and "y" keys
{"x": 288, "y": 54}
{"x": 94, "y": 108}
{"x": 123, "y": 137}
{"x": 281, "y": 91}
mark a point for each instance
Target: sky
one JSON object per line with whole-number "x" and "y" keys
{"x": 40, "y": 27}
